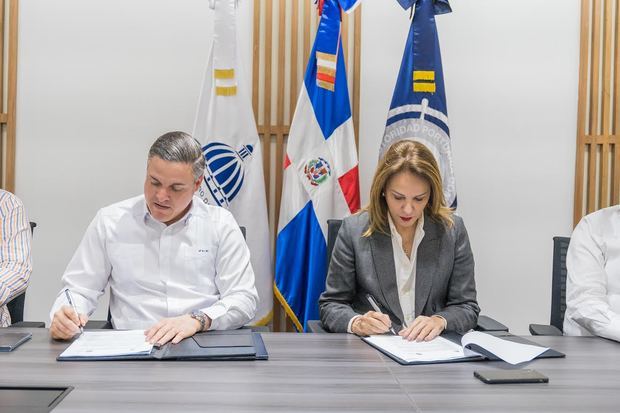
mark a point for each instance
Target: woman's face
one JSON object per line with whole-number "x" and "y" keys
{"x": 406, "y": 195}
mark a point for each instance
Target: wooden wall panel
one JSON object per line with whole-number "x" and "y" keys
{"x": 597, "y": 169}
{"x": 8, "y": 75}
{"x": 280, "y": 57}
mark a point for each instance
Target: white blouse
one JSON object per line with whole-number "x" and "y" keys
{"x": 406, "y": 268}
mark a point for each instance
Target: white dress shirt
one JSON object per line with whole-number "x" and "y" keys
{"x": 593, "y": 283}
{"x": 405, "y": 270}
{"x": 199, "y": 263}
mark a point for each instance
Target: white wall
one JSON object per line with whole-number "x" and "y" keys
{"x": 511, "y": 70}
{"x": 99, "y": 80}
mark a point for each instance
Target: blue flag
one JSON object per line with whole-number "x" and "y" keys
{"x": 440, "y": 6}
{"x": 418, "y": 110}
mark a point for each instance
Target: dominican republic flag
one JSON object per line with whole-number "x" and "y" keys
{"x": 419, "y": 110}
{"x": 234, "y": 174}
{"x": 320, "y": 171}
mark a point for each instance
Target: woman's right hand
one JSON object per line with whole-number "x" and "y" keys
{"x": 371, "y": 323}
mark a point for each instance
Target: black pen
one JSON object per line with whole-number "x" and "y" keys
{"x": 375, "y": 306}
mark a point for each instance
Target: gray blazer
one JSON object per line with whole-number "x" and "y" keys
{"x": 444, "y": 282}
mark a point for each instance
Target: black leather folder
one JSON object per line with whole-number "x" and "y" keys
{"x": 242, "y": 344}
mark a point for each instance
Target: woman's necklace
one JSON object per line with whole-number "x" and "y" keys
{"x": 407, "y": 247}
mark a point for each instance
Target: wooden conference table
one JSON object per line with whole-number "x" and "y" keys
{"x": 319, "y": 372}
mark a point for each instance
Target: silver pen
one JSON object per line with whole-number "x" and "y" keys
{"x": 70, "y": 299}
{"x": 375, "y": 306}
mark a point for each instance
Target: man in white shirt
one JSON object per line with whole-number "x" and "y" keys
{"x": 175, "y": 266}
{"x": 593, "y": 283}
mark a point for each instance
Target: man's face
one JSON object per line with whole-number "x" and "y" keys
{"x": 168, "y": 189}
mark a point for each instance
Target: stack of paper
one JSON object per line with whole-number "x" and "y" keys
{"x": 109, "y": 343}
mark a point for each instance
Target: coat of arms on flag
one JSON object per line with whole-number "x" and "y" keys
{"x": 320, "y": 171}
{"x": 234, "y": 173}
{"x": 418, "y": 110}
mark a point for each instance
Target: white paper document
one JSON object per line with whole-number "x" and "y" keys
{"x": 510, "y": 352}
{"x": 109, "y": 343}
{"x": 438, "y": 349}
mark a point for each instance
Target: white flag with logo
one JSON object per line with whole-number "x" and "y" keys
{"x": 226, "y": 128}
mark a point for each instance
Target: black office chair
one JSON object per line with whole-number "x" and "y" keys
{"x": 485, "y": 323}
{"x": 558, "y": 291}
{"x": 107, "y": 324}
{"x": 16, "y": 305}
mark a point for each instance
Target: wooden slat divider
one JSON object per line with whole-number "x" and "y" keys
{"x": 595, "y": 68}
{"x": 294, "y": 66}
{"x": 307, "y": 28}
{"x": 267, "y": 96}
{"x": 581, "y": 110}
{"x": 615, "y": 169}
{"x": 4, "y": 116}
{"x": 594, "y": 102}
{"x": 9, "y": 182}
{"x": 274, "y": 130}
{"x": 597, "y": 178}
{"x": 256, "y": 57}
{"x": 344, "y": 35}
{"x": 2, "y": 31}
{"x": 603, "y": 200}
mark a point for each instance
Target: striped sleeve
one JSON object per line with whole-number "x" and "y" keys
{"x": 15, "y": 260}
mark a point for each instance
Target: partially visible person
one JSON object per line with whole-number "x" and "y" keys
{"x": 408, "y": 251}
{"x": 593, "y": 276}
{"x": 175, "y": 266}
{"x": 15, "y": 260}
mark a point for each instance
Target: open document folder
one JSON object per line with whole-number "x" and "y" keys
{"x": 453, "y": 347}
{"x": 242, "y": 344}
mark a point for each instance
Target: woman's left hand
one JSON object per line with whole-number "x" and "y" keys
{"x": 423, "y": 328}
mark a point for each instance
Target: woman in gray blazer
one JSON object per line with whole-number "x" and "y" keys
{"x": 407, "y": 251}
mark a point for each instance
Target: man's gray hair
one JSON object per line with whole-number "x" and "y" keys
{"x": 179, "y": 147}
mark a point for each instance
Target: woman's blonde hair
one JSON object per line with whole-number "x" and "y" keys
{"x": 413, "y": 157}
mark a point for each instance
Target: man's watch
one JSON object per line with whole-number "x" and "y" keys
{"x": 201, "y": 317}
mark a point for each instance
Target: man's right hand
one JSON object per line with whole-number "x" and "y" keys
{"x": 371, "y": 323}
{"x": 66, "y": 323}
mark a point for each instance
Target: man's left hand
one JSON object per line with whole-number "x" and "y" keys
{"x": 423, "y": 328}
{"x": 174, "y": 328}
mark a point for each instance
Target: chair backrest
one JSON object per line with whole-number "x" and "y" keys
{"x": 16, "y": 308}
{"x": 16, "y": 305}
{"x": 558, "y": 283}
{"x": 333, "y": 226}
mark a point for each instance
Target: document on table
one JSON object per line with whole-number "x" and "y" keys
{"x": 410, "y": 351}
{"x": 109, "y": 343}
{"x": 509, "y": 351}
{"x": 475, "y": 345}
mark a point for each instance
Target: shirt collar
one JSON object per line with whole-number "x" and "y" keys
{"x": 185, "y": 219}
